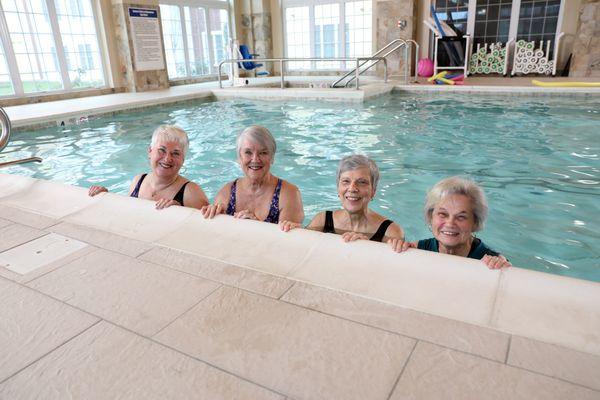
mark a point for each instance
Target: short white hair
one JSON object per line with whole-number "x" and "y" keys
{"x": 356, "y": 161}
{"x": 258, "y": 134}
{"x": 458, "y": 185}
{"x": 171, "y": 133}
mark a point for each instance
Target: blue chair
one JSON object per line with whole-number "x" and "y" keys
{"x": 250, "y": 65}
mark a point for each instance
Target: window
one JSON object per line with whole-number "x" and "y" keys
{"x": 196, "y": 38}
{"x": 327, "y": 29}
{"x": 538, "y": 20}
{"x": 50, "y": 45}
{"x": 455, "y": 12}
{"x": 492, "y": 22}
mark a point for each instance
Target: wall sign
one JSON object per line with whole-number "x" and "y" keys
{"x": 147, "y": 43}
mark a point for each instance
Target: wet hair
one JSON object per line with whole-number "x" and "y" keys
{"x": 171, "y": 133}
{"x": 457, "y": 185}
{"x": 356, "y": 161}
{"x": 257, "y": 134}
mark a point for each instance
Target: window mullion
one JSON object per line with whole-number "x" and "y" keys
{"x": 513, "y": 30}
{"x": 185, "y": 44}
{"x": 60, "y": 50}
{"x": 211, "y": 57}
{"x": 311, "y": 19}
{"x": 102, "y": 47}
{"x": 342, "y": 33}
{"x": 11, "y": 59}
{"x": 471, "y": 17}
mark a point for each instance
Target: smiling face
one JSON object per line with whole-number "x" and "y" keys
{"x": 166, "y": 158}
{"x": 355, "y": 189}
{"x": 255, "y": 159}
{"x": 453, "y": 221}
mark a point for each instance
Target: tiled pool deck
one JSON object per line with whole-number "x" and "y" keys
{"x": 107, "y": 297}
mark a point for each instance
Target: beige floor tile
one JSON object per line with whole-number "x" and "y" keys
{"x": 107, "y": 362}
{"x": 137, "y": 219}
{"x": 26, "y": 218}
{"x": 457, "y": 335}
{"x": 5, "y": 222}
{"x": 131, "y": 293}
{"x": 556, "y": 361}
{"x": 16, "y": 234}
{"x": 273, "y": 253}
{"x": 434, "y": 372}
{"x": 457, "y": 287}
{"x": 12, "y": 184}
{"x": 105, "y": 240}
{"x": 51, "y": 199}
{"x": 531, "y": 303}
{"x": 32, "y": 325}
{"x": 300, "y": 353}
{"x": 244, "y": 278}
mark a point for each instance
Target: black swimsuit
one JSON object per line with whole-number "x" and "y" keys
{"x": 377, "y": 237}
{"x": 178, "y": 196}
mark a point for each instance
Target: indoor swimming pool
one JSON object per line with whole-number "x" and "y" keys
{"x": 538, "y": 159}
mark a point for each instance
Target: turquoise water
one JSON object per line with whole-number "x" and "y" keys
{"x": 537, "y": 159}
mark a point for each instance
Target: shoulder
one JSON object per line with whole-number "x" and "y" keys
{"x": 223, "y": 193}
{"x": 289, "y": 188}
{"x": 480, "y": 249}
{"x": 427, "y": 244}
{"x": 394, "y": 231}
{"x": 134, "y": 182}
{"x": 318, "y": 221}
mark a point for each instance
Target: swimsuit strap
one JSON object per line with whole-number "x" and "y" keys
{"x": 179, "y": 196}
{"x": 328, "y": 227}
{"x": 136, "y": 189}
{"x": 273, "y": 216}
{"x": 231, "y": 205}
{"x": 378, "y": 236}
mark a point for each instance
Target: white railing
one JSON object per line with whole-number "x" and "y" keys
{"x": 4, "y": 138}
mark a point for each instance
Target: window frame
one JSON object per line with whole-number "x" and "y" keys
{"x": 67, "y": 86}
{"x": 207, "y": 5}
{"x": 311, "y": 15}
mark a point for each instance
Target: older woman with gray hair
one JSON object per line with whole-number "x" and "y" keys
{"x": 456, "y": 208}
{"x": 357, "y": 178}
{"x": 259, "y": 194}
{"x": 164, "y": 185}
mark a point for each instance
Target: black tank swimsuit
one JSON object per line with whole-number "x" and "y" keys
{"x": 178, "y": 196}
{"x": 377, "y": 237}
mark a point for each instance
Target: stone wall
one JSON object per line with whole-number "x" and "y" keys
{"x": 387, "y": 14}
{"x": 134, "y": 81}
{"x": 586, "y": 47}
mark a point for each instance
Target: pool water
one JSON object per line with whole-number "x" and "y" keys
{"x": 536, "y": 157}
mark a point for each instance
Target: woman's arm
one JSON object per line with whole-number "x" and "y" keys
{"x": 318, "y": 222}
{"x": 290, "y": 204}
{"x": 219, "y": 205}
{"x": 194, "y": 196}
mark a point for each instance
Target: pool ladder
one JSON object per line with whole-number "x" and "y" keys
{"x": 5, "y": 136}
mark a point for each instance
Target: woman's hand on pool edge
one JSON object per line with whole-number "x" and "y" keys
{"x": 399, "y": 245}
{"x": 96, "y": 189}
{"x": 164, "y": 203}
{"x": 245, "y": 214}
{"x": 353, "y": 236}
{"x": 211, "y": 210}
{"x": 287, "y": 226}
{"x": 496, "y": 262}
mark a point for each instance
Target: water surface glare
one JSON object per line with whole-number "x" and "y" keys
{"x": 536, "y": 157}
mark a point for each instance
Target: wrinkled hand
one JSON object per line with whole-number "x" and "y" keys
{"x": 245, "y": 214}
{"x": 95, "y": 189}
{"x": 496, "y": 262}
{"x": 211, "y": 210}
{"x": 164, "y": 203}
{"x": 399, "y": 245}
{"x": 287, "y": 226}
{"x": 353, "y": 236}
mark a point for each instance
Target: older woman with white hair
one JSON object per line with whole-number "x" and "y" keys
{"x": 357, "y": 178}
{"x": 164, "y": 185}
{"x": 259, "y": 194}
{"x": 456, "y": 208}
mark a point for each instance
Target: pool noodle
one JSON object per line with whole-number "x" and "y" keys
{"x": 565, "y": 84}
{"x": 446, "y": 81}
{"x": 436, "y": 76}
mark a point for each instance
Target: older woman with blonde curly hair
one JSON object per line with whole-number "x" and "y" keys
{"x": 456, "y": 208}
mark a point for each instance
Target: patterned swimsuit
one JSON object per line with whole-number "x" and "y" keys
{"x": 273, "y": 216}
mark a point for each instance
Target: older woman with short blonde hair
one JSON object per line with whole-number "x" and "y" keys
{"x": 259, "y": 194}
{"x": 163, "y": 184}
{"x": 456, "y": 208}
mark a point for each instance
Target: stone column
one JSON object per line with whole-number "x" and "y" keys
{"x": 133, "y": 80}
{"x": 254, "y": 29}
{"x": 387, "y": 14}
{"x": 586, "y": 47}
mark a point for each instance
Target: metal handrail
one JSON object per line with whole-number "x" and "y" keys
{"x": 374, "y": 55}
{"x": 5, "y": 136}
{"x": 384, "y": 56}
{"x": 282, "y": 60}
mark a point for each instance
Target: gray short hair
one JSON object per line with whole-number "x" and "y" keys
{"x": 457, "y": 185}
{"x": 171, "y": 133}
{"x": 257, "y": 134}
{"x": 356, "y": 161}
